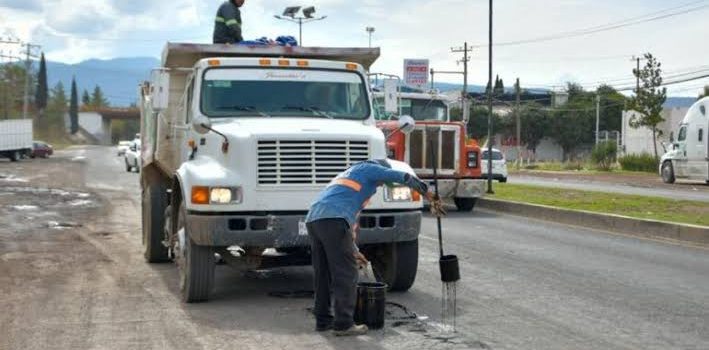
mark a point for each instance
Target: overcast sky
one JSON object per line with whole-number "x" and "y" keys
{"x": 74, "y": 30}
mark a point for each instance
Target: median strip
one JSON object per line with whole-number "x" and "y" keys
{"x": 631, "y": 214}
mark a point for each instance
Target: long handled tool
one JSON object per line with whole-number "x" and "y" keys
{"x": 448, "y": 264}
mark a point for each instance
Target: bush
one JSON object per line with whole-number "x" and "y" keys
{"x": 638, "y": 162}
{"x": 604, "y": 155}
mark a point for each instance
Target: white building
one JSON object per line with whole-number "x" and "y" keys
{"x": 638, "y": 141}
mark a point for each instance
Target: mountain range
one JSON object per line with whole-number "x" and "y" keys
{"x": 119, "y": 79}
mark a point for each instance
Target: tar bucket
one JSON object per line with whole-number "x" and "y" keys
{"x": 371, "y": 302}
{"x": 449, "y": 268}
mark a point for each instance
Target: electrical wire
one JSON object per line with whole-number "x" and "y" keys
{"x": 648, "y": 17}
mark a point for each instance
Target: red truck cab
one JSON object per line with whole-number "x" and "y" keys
{"x": 459, "y": 170}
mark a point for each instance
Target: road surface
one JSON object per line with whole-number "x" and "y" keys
{"x": 72, "y": 276}
{"x": 683, "y": 190}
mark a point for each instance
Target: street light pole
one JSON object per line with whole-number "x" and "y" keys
{"x": 489, "y": 106}
{"x": 289, "y": 15}
{"x": 370, "y": 30}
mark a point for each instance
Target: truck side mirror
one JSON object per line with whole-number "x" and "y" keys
{"x": 406, "y": 124}
{"x": 201, "y": 124}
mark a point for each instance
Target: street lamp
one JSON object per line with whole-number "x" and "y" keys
{"x": 289, "y": 14}
{"x": 489, "y": 106}
{"x": 370, "y": 30}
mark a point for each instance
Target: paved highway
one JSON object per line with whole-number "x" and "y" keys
{"x": 525, "y": 284}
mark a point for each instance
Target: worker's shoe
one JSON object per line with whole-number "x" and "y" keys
{"x": 356, "y": 329}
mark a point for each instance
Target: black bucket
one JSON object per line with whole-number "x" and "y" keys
{"x": 371, "y": 301}
{"x": 449, "y": 268}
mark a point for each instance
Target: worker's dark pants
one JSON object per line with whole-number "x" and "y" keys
{"x": 335, "y": 272}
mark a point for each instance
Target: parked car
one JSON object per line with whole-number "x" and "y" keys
{"x": 499, "y": 165}
{"x": 132, "y": 157}
{"x": 123, "y": 147}
{"x": 41, "y": 149}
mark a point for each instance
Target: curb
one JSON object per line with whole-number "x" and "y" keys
{"x": 610, "y": 222}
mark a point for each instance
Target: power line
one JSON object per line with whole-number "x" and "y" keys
{"x": 648, "y": 17}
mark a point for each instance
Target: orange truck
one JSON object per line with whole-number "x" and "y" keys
{"x": 458, "y": 157}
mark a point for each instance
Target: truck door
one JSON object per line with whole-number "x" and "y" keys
{"x": 681, "y": 147}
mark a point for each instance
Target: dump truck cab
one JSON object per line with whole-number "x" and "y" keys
{"x": 688, "y": 156}
{"x": 458, "y": 165}
{"x": 237, "y": 143}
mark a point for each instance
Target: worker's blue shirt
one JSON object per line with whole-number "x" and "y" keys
{"x": 348, "y": 192}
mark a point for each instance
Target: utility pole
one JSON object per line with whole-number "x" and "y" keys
{"x": 518, "y": 92}
{"x": 464, "y": 93}
{"x": 5, "y": 79}
{"x": 28, "y": 67}
{"x": 598, "y": 115}
{"x": 637, "y": 75}
{"x": 489, "y": 106}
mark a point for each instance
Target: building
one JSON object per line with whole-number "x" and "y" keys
{"x": 638, "y": 141}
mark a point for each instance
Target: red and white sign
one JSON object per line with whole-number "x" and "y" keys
{"x": 416, "y": 72}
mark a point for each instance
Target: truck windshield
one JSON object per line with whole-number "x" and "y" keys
{"x": 242, "y": 92}
{"x": 419, "y": 109}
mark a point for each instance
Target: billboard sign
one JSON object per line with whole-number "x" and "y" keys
{"x": 416, "y": 72}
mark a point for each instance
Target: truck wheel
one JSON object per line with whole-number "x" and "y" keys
{"x": 127, "y": 165}
{"x": 194, "y": 262}
{"x": 135, "y": 166}
{"x": 15, "y": 156}
{"x": 396, "y": 264}
{"x": 465, "y": 204}
{"x": 668, "y": 173}
{"x": 154, "y": 203}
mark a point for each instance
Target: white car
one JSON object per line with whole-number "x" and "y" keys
{"x": 499, "y": 166}
{"x": 122, "y": 147}
{"x": 132, "y": 156}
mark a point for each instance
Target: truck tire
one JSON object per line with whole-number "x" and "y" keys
{"x": 668, "y": 172}
{"x": 395, "y": 264}
{"x": 128, "y": 167}
{"x": 136, "y": 167}
{"x": 465, "y": 204}
{"x": 195, "y": 264}
{"x": 15, "y": 156}
{"x": 154, "y": 204}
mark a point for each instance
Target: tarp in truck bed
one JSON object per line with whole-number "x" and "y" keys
{"x": 184, "y": 55}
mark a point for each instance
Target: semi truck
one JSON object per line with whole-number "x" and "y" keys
{"x": 15, "y": 138}
{"x": 237, "y": 141}
{"x": 458, "y": 157}
{"x": 688, "y": 157}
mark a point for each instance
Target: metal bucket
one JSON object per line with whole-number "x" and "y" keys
{"x": 371, "y": 302}
{"x": 449, "y": 268}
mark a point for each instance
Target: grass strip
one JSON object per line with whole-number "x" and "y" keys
{"x": 643, "y": 207}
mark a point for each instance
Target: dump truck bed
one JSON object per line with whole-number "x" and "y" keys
{"x": 184, "y": 55}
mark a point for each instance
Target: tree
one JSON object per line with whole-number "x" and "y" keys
{"x": 535, "y": 122}
{"x": 488, "y": 88}
{"x": 58, "y": 101}
{"x": 74, "y": 108}
{"x": 41, "y": 95}
{"x": 85, "y": 99}
{"x": 648, "y": 100}
{"x": 574, "y": 123}
{"x": 499, "y": 88}
{"x": 98, "y": 100}
{"x": 704, "y": 93}
{"x": 612, "y": 104}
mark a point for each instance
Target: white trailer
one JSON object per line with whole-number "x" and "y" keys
{"x": 689, "y": 156}
{"x": 15, "y": 138}
{"x": 237, "y": 141}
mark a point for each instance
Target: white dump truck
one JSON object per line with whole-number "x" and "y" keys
{"x": 688, "y": 157}
{"x": 15, "y": 138}
{"x": 237, "y": 141}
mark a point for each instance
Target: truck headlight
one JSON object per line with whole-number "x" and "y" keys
{"x": 472, "y": 159}
{"x": 397, "y": 194}
{"x": 224, "y": 195}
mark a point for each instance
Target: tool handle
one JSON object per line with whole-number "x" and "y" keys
{"x": 435, "y": 183}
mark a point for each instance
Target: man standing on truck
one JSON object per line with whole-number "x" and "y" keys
{"x": 227, "y": 24}
{"x": 332, "y": 227}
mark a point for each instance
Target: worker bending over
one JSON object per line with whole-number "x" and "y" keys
{"x": 332, "y": 227}
{"x": 227, "y": 24}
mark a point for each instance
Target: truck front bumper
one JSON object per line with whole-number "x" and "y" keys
{"x": 282, "y": 231}
{"x": 461, "y": 188}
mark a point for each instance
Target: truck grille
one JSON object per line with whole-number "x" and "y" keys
{"x": 282, "y": 162}
{"x": 444, "y": 143}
